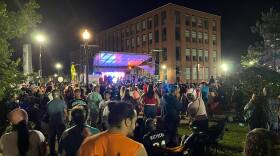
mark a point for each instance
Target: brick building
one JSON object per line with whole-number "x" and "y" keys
{"x": 185, "y": 43}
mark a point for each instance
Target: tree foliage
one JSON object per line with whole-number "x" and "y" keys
{"x": 14, "y": 25}
{"x": 268, "y": 29}
{"x": 254, "y": 79}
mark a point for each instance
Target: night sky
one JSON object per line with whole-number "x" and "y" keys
{"x": 64, "y": 19}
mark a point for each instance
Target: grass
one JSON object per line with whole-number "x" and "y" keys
{"x": 232, "y": 142}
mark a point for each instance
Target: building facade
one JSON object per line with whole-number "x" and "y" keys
{"x": 185, "y": 43}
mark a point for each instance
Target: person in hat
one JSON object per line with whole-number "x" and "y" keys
{"x": 22, "y": 141}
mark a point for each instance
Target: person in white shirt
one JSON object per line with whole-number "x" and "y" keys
{"x": 196, "y": 110}
{"x": 22, "y": 142}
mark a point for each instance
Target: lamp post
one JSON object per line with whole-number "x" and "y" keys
{"x": 40, "y": 39}
{"x": 164, "y": 71}
{"x": 58, "y": 66}
{"x": 224, "y": 68}
{"x": 86, "y": 37}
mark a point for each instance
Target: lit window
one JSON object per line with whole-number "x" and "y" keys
{"x": 144, "y": 39}
{"x": 150, "y": 38}
{"x": 143, "y": 25}
{"x": 200, "y": 55}
{"x": 193, "y": 21}
{"x": 188, "y": 73}
{"x": 187, "y": 36}
{"x": 214, "y": 55}
{"x": 188, "y": 54}
{"x": 193, "y": 36}
{"x": 206, "y": 55}
{"x": 194, "y": 55}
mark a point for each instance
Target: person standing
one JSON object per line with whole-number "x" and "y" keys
{"x": 57, "y": 112}
{"x": 73, "y": 137}
{"x": 22, "y": 141}
{"x": 115, "y": 142}
{"x": 94, "y": 98}
{"x": 172, "y": 112}
{"x": 150, "y": 101}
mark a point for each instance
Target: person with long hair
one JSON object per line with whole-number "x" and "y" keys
{"x": 27, "y": 142}
{"x": 73, "y": 137}
{"x": 150, "y": 101}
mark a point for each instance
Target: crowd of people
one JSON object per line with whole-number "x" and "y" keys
{"x": 108, "y": 119}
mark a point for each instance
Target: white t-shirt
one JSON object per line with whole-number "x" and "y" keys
{"x": 195, "y": 109}
{"x": 8, "y": 143}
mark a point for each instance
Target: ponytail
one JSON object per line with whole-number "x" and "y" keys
{"x": 23, "y": 138}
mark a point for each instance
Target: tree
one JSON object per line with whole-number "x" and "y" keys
{"x": 14, "y": 25}
{"x": 266, "y": 51}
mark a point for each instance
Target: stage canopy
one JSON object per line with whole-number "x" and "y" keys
{"x": 119, "y": 59}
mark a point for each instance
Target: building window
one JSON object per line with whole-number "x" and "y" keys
{"x": 143, "y": 25}
{"x": 206, "y": 55}
{"x": 156, "y": 21}
{"x": 205, "y": 23}
{"x": 199, "y": 35}
{"x": 187, "y": 36}
{"x": 150, "y": 21}
{"x": 156, "y": 36}
{"x": 199, "y": 22}
{"x": 188, "y": 54}
{"x": 194, "y": 73}
{"x": 178, "y": 53}
{"x": 193, "y": 21}
{"x": 214, "y": 39}
{"x": 138, "y": 27}
{"x": 214, "y": 56}
{"x": 127, "y": 32}
{"x": 177, "y": 17}
{"x": 187, "y": 20}
{"x": 177, "y": 34}
{"x": 215, "y": 72}
{"x": 194, "y": 37}
{"x": 206, "y": 73}
{"x": 214, "y": 26}
{"x": 200, "y": 73}
{"x": 133, "y": 42}
{"x": 144, "y": 39}
{"x": 163, "y": 18}
{"x": 138, "y": 41}
{"x": 150, "y": 38}
{"x": 206, "y": 41}
{"x": 194, "y": 55}
{"x": 200, "y": 55}
{"x": 164, "y": 54}
{"x": 188, "y": 73}
{"x": 132, "y": 30}
{"x": 163, "y": 34}
{"x": 127, "y": 44}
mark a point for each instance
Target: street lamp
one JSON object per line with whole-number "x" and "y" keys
{"x": 58, "y": 66}
{"x": 40, "y": 39}
{"x": 224, "y": 68}
{"x": 86, "y": 37}
{"x": 164, "y": 72}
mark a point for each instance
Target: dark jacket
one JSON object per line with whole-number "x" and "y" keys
{"x": 173, "y": 108}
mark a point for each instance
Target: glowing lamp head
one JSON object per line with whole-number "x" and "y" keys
{"x": 86, "y": 35}
{"x": 58, "y": 66}
{"x": 163, "y": 66}
{"x": 224, "y": 67}
{"x": 55, "y": 75}
{"x": 40, "y": 38}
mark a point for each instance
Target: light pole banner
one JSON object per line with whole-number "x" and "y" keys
{"x": 73, "y": 72}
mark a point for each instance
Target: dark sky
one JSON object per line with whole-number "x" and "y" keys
{"x": 63, "y": 20}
